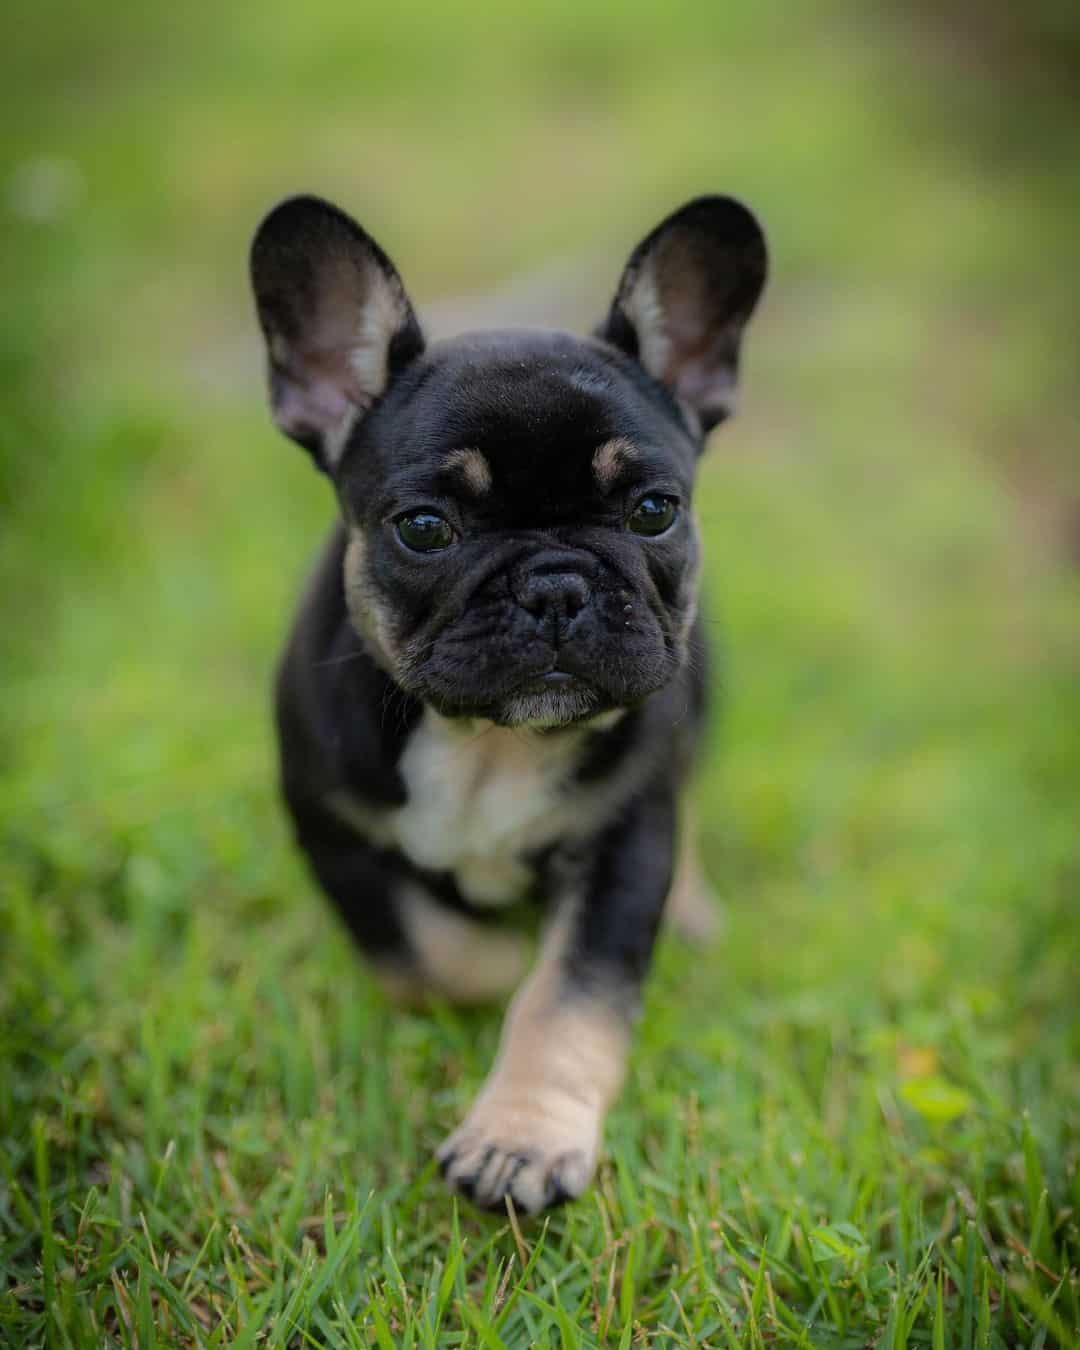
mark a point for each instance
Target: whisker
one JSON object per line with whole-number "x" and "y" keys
{"x": 358, "y": 655}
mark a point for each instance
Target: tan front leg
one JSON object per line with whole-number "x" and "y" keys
{"x": 535, "y": 1129}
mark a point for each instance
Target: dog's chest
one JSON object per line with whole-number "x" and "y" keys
{"x": 480, "y": 801}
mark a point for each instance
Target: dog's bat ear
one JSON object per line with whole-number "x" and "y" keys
{"x": 686, "y": 294}
{"x": 337, "y": 322}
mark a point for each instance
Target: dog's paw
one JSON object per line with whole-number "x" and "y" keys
{"x": 539, "y": 1151}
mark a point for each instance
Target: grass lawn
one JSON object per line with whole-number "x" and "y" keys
{"x": 855, "y": 1121}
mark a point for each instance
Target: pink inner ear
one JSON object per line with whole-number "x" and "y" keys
{"x": 316, "y": 392}
{"x": 698, "y": 364}
{"x": 706, "y": 386}
{"x": 687, "y": 333}
{"x": 309, "y": 411}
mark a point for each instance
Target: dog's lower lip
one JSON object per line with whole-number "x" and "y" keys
{"x": 548, "y": 682}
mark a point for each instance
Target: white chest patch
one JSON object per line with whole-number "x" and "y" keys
{"x": 481, "y": 798}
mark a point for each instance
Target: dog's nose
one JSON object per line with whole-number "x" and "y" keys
{"x": 553, "y": 598}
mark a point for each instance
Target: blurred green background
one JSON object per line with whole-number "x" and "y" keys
{"x": 893, "y": 525}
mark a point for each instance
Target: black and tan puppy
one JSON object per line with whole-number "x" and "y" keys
{"x": 495, "y": 683}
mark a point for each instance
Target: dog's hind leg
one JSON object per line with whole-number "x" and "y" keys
{"x": 451, "y": 955}
{"x": 419, "y": 947}
{"x": 692, "y": 908}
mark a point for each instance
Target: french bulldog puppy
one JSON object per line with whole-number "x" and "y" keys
{"x": 496, "y": 680}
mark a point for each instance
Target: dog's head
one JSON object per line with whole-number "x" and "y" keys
{"x": 520, "y": 540}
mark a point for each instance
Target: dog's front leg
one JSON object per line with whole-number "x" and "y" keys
{"x": 534, "y": 1131}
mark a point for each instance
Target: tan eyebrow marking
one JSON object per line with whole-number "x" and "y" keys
{"x": 611, "y": 457}
{"x": 473, "y": 468}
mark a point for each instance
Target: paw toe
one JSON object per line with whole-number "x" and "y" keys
{"x": 570, "y": 1175}
{"x": 533, "y": 1178}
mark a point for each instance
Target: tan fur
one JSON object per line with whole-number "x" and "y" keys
{"x": 474, "y": 469}
{"x": 646, "y": 312}
{"x": 691, "y": 906}
{"x": 370, "y": 617}
{"x": 456, "y": 958}
{"x": 609, "y": 459}
{"x": 535, "y": 1128}
{"x": 369, "y": 341}
{"x": 335, "y": 440}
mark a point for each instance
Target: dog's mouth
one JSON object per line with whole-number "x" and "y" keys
{"x": 552, "y": 699}
{"x": 547, "y": 699}
{"x": 548, "y": 682}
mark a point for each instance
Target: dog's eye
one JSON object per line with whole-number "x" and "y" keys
{"x": 424, "y": 532}
{"x": 653, "y": 514}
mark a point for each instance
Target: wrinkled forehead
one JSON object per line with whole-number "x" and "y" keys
{"x": 530, "y": 423}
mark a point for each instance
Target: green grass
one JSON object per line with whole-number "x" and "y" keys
{"x": 856, "y": 1120}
